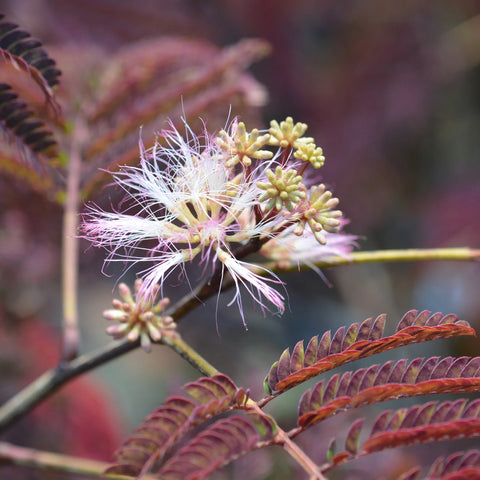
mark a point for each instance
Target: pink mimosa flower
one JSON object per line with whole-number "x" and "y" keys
{"x": 206, "y": 198}
{"x": 191, "y": 201}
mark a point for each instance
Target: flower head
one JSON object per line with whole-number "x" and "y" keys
{"x": 139, "y": 318}
{"x": 214, "y": 200}
{"x": 283, "y": 188}
{"x": 287, "y": 133}
{"x": 242, "y": 146}
{"x": 318, "y": 213}
{"x": 309, "y": 152}
{"x": 192, "y": 200}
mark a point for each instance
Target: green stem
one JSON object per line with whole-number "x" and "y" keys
{"x": 408, "y": 255}
{"x": 190, "y": 355}
{"x": 414, "y": 255}
{"x": 26, "y": 457}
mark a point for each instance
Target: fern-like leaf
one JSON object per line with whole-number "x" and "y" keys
{"x": 172, "y": 78}
{"x": 28, "y": 110}
{"x": 163, "y": 428}
{"x": 226, "y": 440}
{"x": 358, "y": 341}
{"x": 18, "y": 46}
{"x": 20, "y": 125}
{"x": 391, "y": 380}
{"x": 458, "y": 465}
{"x": 430, "y": 422}
{"x": 154, "y": 59}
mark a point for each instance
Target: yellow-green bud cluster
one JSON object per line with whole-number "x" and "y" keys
{"x": 287, "y": 134}
{"x": 319, "y": 214}
{"x": 309, "y": 152}
{"x": 138, "y": 318}
{"x": 284, "y": 188}
{"x": 243, "y": 146}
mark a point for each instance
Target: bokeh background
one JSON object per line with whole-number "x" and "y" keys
{"x": 390, "y": 90}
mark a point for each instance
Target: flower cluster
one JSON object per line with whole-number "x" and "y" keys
{"x": 138, "y": 317}
{"x": 216, "y": 198}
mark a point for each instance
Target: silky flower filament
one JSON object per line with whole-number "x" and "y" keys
{"x": 208, "y": 197}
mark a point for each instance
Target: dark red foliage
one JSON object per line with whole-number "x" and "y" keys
{"x": 391, "y": 380}
{"x": 177, "y": 417}
{"x": 359, "y": 341}
{"x": 430, "y": 422}
{"x": 226, "y": 440}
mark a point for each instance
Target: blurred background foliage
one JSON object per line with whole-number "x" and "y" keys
{"x": 390, "y": 90}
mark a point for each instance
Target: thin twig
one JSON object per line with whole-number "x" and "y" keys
{"x": 376, "y": 256}
{"x": 217, "y": 282}
{"x": 190, "y": 355}
{"x": 203, "y": 291}
{"x": 56, "y": 377}
{"x": 300, "y": 457}
{"x": 71, "y": 336}
{"x": 41, "y": 460}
